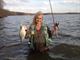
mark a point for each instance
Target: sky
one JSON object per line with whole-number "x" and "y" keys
{"x": 32, "y": 6}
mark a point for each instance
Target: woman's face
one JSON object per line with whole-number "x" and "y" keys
{"x": 39, "y": 19}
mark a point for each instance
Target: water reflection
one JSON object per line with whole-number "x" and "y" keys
{"x": 2, "y": 32}
{"x": 38, "y": 56}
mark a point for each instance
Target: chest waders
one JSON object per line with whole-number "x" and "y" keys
{"x": 45, "y": 39}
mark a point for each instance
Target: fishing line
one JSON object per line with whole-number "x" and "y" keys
{"x": 51, "y": 11}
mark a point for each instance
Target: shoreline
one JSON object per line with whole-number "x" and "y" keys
{"x": 5, "y": 13}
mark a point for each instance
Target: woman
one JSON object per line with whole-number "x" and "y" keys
{"x": 39, "y": 37}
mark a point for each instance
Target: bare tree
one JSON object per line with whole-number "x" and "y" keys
{"x": 1, "y": 4}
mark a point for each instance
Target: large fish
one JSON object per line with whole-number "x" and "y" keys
{"x": 22, "y": 32}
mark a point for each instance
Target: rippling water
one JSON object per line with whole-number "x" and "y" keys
{"x": 65, "y": 47}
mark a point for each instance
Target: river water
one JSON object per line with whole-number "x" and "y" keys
{"x": 65, "y": 47}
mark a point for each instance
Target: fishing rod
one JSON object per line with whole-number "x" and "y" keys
{"x": 51, "y": 11}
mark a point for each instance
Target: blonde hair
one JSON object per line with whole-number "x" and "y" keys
{"x": 36, "y": 16}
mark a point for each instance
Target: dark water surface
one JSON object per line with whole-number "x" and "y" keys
{"x": 65, "y": 47}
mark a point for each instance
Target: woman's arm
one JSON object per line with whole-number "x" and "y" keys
{"x": 49, "y": 32}
{"x": 27, "y": 34}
